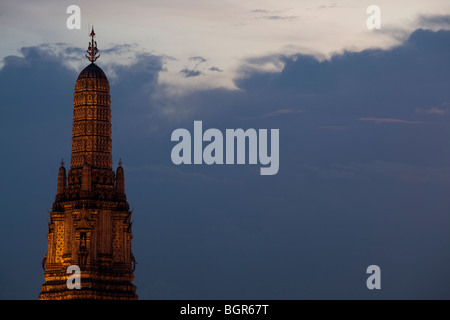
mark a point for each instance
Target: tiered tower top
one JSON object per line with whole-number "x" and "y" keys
{"x": 91, "y": 133}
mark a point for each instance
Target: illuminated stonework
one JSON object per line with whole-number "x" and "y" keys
{"x": 90, "y": 220}
{"x": 91, "y": 133}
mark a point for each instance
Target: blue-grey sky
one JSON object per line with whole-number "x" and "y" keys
{"x": 364, "y": 146}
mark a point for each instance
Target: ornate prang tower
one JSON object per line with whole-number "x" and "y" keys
{"x": 90, "y": 220}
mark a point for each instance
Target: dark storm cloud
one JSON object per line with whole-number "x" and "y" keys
{"x": 372, "y": 83}
{"x": 344, "y": 198}
{"x": 349, "y": 192}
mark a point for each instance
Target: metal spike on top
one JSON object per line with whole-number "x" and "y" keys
{"x": 92, "y": 49}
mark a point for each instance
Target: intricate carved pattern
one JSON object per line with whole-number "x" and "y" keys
{"x": 117, "y": 247}
{"x": 91, "y": 132}
{"x": 59, "y": 243}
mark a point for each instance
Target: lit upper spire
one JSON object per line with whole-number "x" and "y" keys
{"x": 92, "y": 49}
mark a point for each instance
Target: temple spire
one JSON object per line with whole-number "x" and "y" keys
{"x": 90, "y": 219}
{"x": 92, "y": 49}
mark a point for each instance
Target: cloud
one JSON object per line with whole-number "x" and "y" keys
{"x": 282, "y": 112}
{"x": 119, "y": 49}
{"x": 288, "y": 18}
{"x": 336, "y": 127}
{"x": 376, "y": 169}
{"x": 391, "y": 120}
{"x": 197, "y": 59}
{"x": 333, "y": 93}
{"x": 260, "y": 11}
{"x": 190, "y": 73}
{"x": 333, "y": 5}
{"x": 192, "y": 68}
{"x": 442, "y": 109}
{"x": 215, "y": 69}
{"x": 433, "y": 110}
{"x": 276, "y": 113}
{"x": 435, "y": 21}
{"x": 273, "y": 14}
{"x": 172, "y": 174}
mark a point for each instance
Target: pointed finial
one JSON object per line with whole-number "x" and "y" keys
{"x": 62, "y": 162}
{"x": 92, "y": 49}
{"x": 120, "y": 162}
